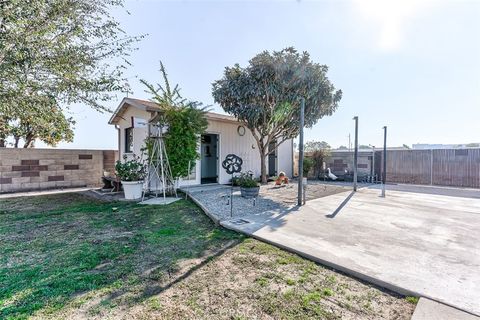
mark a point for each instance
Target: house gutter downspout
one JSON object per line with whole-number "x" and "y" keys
{"x": 118, "y": 140}
{"x": 293, "y": 156}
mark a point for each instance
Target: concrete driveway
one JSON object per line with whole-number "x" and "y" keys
{"x": 414, "y": 243}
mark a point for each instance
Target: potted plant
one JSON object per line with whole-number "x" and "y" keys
{"x": 131, "y": 174}
{"x": 249, "y": 187}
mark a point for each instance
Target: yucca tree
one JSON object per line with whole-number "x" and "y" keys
{"x": 163, "y": 94}
{"x": 186, "y": 122}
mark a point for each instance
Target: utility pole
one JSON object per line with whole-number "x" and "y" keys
{"x": 300, "y": 152}
{"x": 384, "y": 173}
{"x": 355, "y": 156}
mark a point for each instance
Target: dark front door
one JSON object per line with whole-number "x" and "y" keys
{"x": 209, "y": 158}
{"x": 272, "y": 159}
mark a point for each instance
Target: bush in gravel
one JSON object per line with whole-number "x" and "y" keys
{"x": 246, "y": 180}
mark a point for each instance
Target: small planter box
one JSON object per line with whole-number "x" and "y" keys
{"x": 249, "y": 192}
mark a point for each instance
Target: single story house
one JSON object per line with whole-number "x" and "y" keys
{"x": 224, "y": 135}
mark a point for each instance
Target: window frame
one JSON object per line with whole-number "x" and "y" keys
{"x": 128, "y": 147}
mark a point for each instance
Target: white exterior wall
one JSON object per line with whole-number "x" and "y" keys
{"x": 285, "y": 157}
{"x": 229, "y": 142}
{"x": 139, "y": 134}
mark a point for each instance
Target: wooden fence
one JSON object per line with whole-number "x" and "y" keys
{"x": 441, "y": 167}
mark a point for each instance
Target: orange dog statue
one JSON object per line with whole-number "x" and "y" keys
{"x": 282, "y": 179}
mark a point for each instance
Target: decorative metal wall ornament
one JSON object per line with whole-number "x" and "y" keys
{"x": 232, "y": 164}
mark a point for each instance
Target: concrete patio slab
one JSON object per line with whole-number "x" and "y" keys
{"x": 159, "y": 201}
{"x": 413, "y": 243}
{"x": 439, "y": 190}
{"x": 427, "y": 310}
{"x": 42, "y": 192}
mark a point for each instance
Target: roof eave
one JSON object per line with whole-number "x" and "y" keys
{"x": 116, "y": 113}
{"x": 127, "y": 101}
{"x": 116, "y": 116}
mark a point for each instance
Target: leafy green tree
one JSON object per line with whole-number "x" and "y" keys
{"x": 45, "y": 122}
{"x": 311, "y": 146}
{"x": 363, "y": 146}
{"x": 266, "y": 94}
{"x": 319, "y": 151}
{"x": 70, "y": 51}
{"x": 342, "y": 148}
{"x": 186, "y": 121}
{"x": 308, "y": 164}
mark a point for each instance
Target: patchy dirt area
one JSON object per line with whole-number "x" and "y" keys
{"x": 74, "y": 257}
{"x": 251, "y": 280}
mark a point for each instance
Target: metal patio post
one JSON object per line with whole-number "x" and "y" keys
{"x": 384, "y": 173}
{"x": 355, "y": 156}
{"x": 300, "y": 153}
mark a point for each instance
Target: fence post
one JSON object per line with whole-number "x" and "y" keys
{"x": 384, "y": 173}
{"x": 355, "y": 156}
{"x": 431, "y": 167}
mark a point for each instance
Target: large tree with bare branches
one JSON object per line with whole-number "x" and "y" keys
{"x": 265, "y": 96}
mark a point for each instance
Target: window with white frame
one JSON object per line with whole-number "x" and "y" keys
{"x": 128, "y": 140}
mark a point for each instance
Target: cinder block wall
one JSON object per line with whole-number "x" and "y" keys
{"x": 37, "y": 169}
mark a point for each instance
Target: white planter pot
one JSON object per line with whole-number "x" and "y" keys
{"x": 132, "y": 189}
{"x": 304, "y": 181}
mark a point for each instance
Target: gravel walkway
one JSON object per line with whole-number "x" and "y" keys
{"x": 215, "y": 198}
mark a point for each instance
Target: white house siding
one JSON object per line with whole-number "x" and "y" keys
{"x": 229, "y": 142}
{"x": 285, "y": 157}
{"x": 246, "y": 148}
{"x": 139, "y": 134}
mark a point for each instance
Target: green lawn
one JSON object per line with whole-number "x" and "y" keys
{"x": 71, "y": 256}
{"x": 53, "y": 247}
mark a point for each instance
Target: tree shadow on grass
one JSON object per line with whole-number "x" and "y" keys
{"x": 153, "y": 288}
{"x": 77, "y": 248}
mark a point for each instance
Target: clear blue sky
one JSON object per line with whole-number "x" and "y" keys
{"x": 411, "y": 65}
